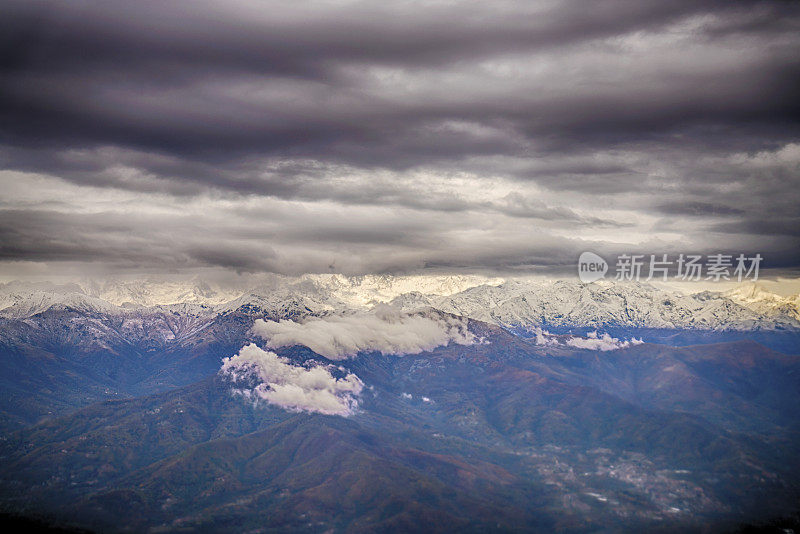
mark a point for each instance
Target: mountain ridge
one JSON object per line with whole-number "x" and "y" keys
{"x": 509, "y": 303}
{"x": 515, "y": 435}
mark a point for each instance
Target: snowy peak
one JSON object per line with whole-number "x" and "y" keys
{"x": 355, "y": 291}
{"x": 367, "y": 290}
{"x": 19, "y": 300}
{"x": 754, "y": 297}
{"x": 567, "y": 303}
{"x": 515, "y": 302}
{"x": 155, "y": 292}
{"x": 321, "y": 294}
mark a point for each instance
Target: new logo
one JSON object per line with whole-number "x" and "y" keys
{"x": 591, "y": 267}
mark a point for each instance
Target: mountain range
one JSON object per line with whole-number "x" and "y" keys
{"x": 150, "y": 415}
{"x": 511, "y": 302}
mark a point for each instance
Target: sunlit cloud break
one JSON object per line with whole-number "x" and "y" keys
{"x": 263, "y": 375}
{"x": 384, "y": 329}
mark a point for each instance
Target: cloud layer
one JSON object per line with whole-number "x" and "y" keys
{"x": 592, "y": 341}
{"x": 383, "y": 330}
{"x": 371, "y": 136}
{"x": 263, "y": 375}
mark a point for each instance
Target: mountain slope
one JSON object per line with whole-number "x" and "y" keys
{"x": 513, "y": 302}
{"x": 503, "y": 434}
{"x": 565, "y": 303}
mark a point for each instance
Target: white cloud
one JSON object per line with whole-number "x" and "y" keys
{"x": 592, "y": 341}
{"x": 543, "y": 337}
{"x": 277, "y": 381}
{"x": 385, "y": 329}
{"x": 604, "y": 342}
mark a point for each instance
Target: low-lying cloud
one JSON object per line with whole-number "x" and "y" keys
{"x": 592, "y": 341}
{"x": 263, "y": 375}
{"x": 385, "y": 330}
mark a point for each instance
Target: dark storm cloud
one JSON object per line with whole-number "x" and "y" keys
{"x": 449, "y": 133}
{"x": 301, "y": 38}
{"x": 250, "y": 242}
{"x": 700, "y": 209}
{"x": 163, "y": 76}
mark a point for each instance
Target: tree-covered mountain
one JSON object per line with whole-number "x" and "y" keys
{"x": 505, "y": 434}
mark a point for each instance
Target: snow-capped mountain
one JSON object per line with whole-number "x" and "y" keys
{"x": 323, "y": 294}
{"x": 756, "y": 298}
{"x": 19, "y": 299}
{"x": 567, "y": 303}
{"x": 158, "y": 292}
{"x": 371, "y": 289}
{"x": 515, "y": 302}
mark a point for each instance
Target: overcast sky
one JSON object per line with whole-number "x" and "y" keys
{"x": 359, "y": 137}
